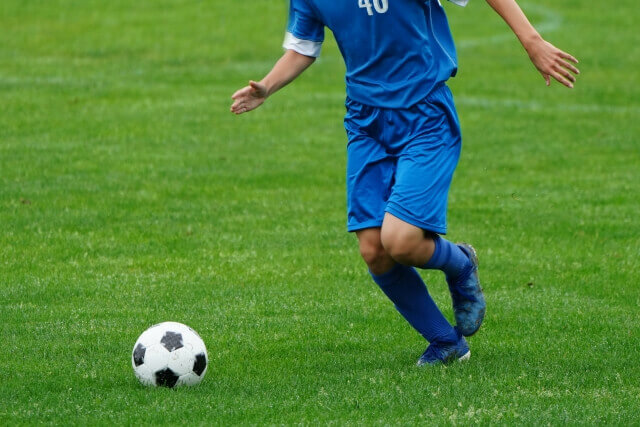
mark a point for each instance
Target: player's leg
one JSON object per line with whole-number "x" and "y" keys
{"x": 372, "y": 251}
{"x": 405, "y": 242}
{"x": 424, "y": 171}
{"x": 405, "y": 288}
{"x": 412, "y": 246}
{"x": 370, "y": 177}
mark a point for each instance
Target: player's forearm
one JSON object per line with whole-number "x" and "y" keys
{"x": 517, "y": 20}
{"x": 287, "y": 69}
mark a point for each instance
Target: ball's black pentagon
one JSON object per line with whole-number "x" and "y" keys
{"x": 200, "y": 364}
{"x": 172, "y": 340}
{"x": 166, "y": 378}
{"x": 138, "y": 354}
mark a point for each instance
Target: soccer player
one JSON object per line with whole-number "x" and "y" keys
{"x": 403, "y": 144}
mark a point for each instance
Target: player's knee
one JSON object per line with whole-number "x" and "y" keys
{"x": 401, "y": 252}
{"x": 372, "y": 253}
{"x": 401, "y": 244}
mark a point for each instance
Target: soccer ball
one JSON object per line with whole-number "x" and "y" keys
{"x": 169, "y": 354}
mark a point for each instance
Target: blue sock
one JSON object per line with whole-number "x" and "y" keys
{"x": 404, "y": 286}
{"x": 449, "y": 258}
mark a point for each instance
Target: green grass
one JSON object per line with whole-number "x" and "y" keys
{"x": 129, "y": 196}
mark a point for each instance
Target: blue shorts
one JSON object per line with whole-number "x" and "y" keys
{"x": 402, "y": 161}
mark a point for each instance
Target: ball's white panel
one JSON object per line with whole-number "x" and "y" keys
{"x": 193, "y": 341}
{"x": 156, "y": 358}
{"x": 181, "y": 361}
{"x": 145, "y": 375}
{"x": 189, "y": 338}
{"x": 189, "y": 380}
{"x": 151, "y": 336}
{"x": 200, "y": 348}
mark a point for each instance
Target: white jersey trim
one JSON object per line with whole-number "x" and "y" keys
{"x": 303, "y": 47}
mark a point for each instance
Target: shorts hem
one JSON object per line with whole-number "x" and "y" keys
{"x": 423, "y": 225}
{"x": 363, "y": 225}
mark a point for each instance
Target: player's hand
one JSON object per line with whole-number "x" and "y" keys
{"x": 552, "y": 62}
{"x": 249, "y": 98}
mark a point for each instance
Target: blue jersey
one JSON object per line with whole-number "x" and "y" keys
{"x": 396, "y": 51}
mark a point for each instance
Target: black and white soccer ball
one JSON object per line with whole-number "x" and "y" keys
{"x": 169, "y": 354}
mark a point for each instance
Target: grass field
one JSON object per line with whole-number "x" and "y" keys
{"x": 129, "y": 195}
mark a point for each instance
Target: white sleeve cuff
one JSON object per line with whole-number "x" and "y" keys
{"x": 303, "y": 47}
{"x": 462, "y": 3}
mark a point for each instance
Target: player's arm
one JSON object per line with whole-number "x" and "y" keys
{"x": 290, "y": 66}
{"x": 548, "y": 59}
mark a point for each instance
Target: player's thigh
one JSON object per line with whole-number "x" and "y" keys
{"x": 425, "y": 167}
{"x": 370, "y": 174}
{"x": 396, "y": 232}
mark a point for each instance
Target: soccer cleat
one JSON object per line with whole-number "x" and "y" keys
{"x": 444, "y": 354}
{"x": 469, "y": 305}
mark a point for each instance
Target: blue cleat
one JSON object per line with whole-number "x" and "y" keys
{"x": 469, "y": 305}
{"x": 444, "y": 354}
